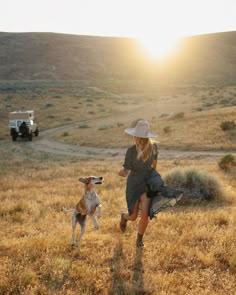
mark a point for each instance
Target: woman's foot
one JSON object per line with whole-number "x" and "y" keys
{"x": 123, "y": 222}
{"x": 139, "y": 244}
{"x": 139, "y": 241}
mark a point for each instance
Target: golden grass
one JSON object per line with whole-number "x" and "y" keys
{"x": 195, "y": 130}
{"x": 189, "y": 250}
{"x": 103, "y": 111}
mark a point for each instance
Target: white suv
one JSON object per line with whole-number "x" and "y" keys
{"x": 21, "y": 124}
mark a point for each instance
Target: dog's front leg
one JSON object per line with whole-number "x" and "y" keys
{"x": 99, "y": 209}
{"x": 95, "y": 222}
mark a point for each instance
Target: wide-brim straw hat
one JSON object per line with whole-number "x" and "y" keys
{"x": 141, "y": 130}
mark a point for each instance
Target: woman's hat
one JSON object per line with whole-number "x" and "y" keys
{"x": 141, "y": 130}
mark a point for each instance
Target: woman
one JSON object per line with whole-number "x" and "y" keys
{"x": 140, "y": 161}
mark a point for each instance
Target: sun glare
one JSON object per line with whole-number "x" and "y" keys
{"x": 159, "y": 47}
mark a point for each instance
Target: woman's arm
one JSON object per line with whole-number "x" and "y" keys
{"x": 127, "y": 163}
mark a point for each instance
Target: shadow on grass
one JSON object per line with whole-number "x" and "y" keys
{"x": 118, "y": 285}
{"x": 137, "y": 279}
{"x": 121, "y": 284}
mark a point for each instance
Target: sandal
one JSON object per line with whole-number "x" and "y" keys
{"x": 123, "y": 222}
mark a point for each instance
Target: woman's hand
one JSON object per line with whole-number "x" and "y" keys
{"x": 123, "y": 172}
{"x": 154, "y": 164}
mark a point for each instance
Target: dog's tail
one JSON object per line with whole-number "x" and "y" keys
{"x": 68, "y": 210}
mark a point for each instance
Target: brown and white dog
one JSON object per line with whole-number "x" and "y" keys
{"x": 87, "y": 206}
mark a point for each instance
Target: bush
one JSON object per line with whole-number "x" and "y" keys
{"x": 178, "y": 116}
{"x": 104, "y": 127}
{"x": 167, "y": 129}
{"x": 227, "y": 162}
{"x": 227, "y": 125}
{"x": 197, "y": 185}
{"x": 48, "y": 105}
{"x": 84, "y": 125}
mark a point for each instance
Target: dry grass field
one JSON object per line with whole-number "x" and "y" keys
{"x": 188, "y": 249}
{"x": 183, "y": 116}
{"x": 93, "y": 88}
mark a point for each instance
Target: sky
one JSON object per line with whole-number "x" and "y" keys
{"x": 163, "y": 20}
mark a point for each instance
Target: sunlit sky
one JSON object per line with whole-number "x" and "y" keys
{"x": 150, "y": 20}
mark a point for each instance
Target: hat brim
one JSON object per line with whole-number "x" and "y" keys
{"x": 133, "y": 132}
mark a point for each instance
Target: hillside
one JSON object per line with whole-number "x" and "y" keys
{"x": 49, "y": 56}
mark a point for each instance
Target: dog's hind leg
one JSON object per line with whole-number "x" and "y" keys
{"x": 82, "y": 221}
{"x": 74, "y": 222}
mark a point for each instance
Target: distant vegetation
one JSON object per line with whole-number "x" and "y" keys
{"x": 227, "y": 162}
{"x": 228, "y": 125}
{"x": 48, "y": 56}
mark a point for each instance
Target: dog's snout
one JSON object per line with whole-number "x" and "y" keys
{"x": 97, "y": 180}
{"x": 91, "y": 180}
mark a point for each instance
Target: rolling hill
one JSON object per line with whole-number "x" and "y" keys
{"x": 49, "y": 56}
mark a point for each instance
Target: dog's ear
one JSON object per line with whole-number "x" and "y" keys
{"x": 84, "y": 180}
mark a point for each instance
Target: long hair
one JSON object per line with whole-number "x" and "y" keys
{"x": 144, "y": 149}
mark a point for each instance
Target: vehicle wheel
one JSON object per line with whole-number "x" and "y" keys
{"x": 30, "y": 136}
{"x": 36, "y": 133}
{"x": 14, "y": 137}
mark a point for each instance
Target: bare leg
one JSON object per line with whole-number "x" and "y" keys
{"x": 134, "y": 215}
{"x": 143, "y": 222}
{"x": 145, "y": 203}
{"x": 125, "y": 217}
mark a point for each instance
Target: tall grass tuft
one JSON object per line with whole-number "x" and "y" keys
{"x": 197, "y": 185}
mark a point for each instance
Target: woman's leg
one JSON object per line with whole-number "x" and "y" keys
{"x": 134, "y": 215}
{"x": 143, "y": 222}
{"x": 125, "y": 217}
{"x": 145, "y": 204}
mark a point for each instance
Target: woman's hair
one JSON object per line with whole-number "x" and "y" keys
{"x": 144, "y": 149}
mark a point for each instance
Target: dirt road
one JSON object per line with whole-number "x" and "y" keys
{"x": 45, "y": 143}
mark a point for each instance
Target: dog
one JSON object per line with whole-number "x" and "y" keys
{"x": 88, "y": 205}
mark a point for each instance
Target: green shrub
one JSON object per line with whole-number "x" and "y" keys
{"x": 226, "y": 162}
{"x": 197, "y": 185}
{"x": 48, "y": 105}
{"x": 227, "y": 125}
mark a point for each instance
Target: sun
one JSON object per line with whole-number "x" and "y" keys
{"x": 159, "y": 47}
